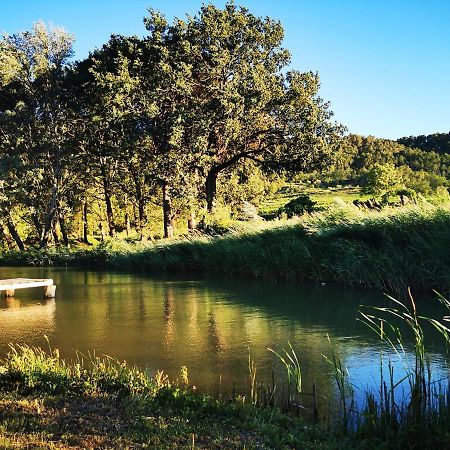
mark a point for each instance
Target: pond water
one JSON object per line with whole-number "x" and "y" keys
{"x": 208, "y": 325}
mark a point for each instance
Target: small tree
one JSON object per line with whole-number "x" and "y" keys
{"x": 382, "y": 179}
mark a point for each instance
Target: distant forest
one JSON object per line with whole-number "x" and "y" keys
{"x": 437, "y": 142}
{"x": 423, "y": 162}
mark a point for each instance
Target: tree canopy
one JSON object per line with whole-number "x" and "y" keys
{"x": 162, "y": 120}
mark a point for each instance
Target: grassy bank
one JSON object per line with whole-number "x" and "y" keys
{"x": 98, "y": 402}
{"x": 387, "y": 250}
{"x": 46, "y": 402}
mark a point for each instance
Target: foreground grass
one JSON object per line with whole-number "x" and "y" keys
{"x": 48, "y": 403}
{"x": 88, "y": 422}
{"x": 387, "y": 250}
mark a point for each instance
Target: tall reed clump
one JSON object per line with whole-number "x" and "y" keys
{"x": 386, "y": 250}
{"x": 345, "y": 388}
{"x": 414, "y": 404}
{"x": 411, "y": 404}
{"x": 291, "y": 364}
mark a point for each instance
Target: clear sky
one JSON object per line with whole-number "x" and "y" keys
{"x": 384, "y": 64}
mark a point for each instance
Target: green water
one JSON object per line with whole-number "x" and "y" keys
{"x": 209, "y": 325}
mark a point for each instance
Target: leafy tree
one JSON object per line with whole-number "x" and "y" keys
{"x": 437, "y": 142}
{"x": 109, "y": 87}
{"x": 382, "y": 179}
{"x": 137, "y": 93}
{"x": 37, "y": 121}
{"x": 241, "y": 104}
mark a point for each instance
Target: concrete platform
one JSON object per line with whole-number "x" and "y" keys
{"x": 11, "y": 284}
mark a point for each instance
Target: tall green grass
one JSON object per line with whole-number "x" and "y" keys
{"x": 410, "y": 407}
{"x": 427, "y": 403}
{"x": 30, "y": 369}
{"x": 389, "y": 250}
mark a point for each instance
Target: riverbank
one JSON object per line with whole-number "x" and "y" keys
{"x": 389, "y": 250}
{"x": 46, "y": 402}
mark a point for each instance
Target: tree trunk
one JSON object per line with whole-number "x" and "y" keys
{"x": 108, "y": 202}
{"x": 110, "y": 213}
{"x": 192, "y": 223}
{"x": 211, "y": 189}
{"x": 7, "y": 236}
{"x": 142, "y": 218}
{"x": 127, "y": 223}
{"x": 167, "y": 211}
{"x": 85, "y": 223}
{"x": 63, "y": 228}
{"x": 102, "y": 232}
{"x": 139, "y": 186}
{"x": 55, "y": 232}
{"x": 49, "y": 219}
{"x": 211, "y": 178}
{"x": 13, "y": 232}
{"x": 37, "y": 224}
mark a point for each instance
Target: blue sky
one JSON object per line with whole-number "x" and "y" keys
{"x": 384, "y": 64}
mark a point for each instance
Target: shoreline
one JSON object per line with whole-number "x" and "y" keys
{"x": 385, "y": 252}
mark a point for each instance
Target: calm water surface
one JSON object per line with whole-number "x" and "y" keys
{"x": 208, "y": 325}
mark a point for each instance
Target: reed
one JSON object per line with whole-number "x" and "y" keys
{"x": 345, "y": 389}
{"x": 423, "y": 408}
{"x": 410, "y": 407}
{"x": 387, "y": 250}
{"x": 292, "y": 365}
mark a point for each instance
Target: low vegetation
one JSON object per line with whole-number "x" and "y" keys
{"x": 388, "y": 250}
{"x": 99, "y": 402}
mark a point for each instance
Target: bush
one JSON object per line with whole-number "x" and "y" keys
{"x": 382, "y": 179}
{"x": 298, "y": 206}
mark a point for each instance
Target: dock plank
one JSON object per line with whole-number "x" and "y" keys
{"x": 23, "y": 283}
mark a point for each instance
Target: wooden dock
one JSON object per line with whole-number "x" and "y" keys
{"x": 11, "y": 284}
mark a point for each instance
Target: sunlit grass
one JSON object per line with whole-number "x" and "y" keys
{"x": 389, "y": 250}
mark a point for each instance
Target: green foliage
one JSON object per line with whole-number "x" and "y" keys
{"x": 169, "y": 112}
{"x": 38, "y": 119}
{"x": 382, "y": 179}
{"x": 355, "y": 155}
{"x": 247, "y": 183}
{"x": 422, "y": 182}
{"x": 293, "y": 368}
{"x": 438, "y": 142}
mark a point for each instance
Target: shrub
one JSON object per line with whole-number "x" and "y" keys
{"x": 382, "y": 179}
{"x": 298, "y": 206}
